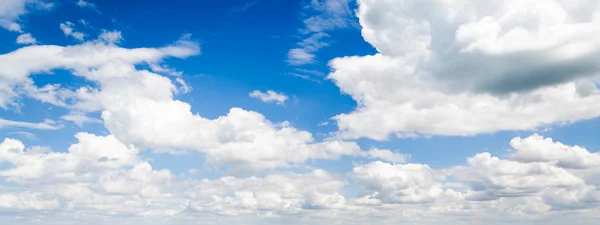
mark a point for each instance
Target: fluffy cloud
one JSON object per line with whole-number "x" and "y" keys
{"x": 270, "y": 96}
{"x": 148, "y": 116}
{"x": 402, "y": 183}
{"x": 532, "y": 180}
{"x": 464, "y": 68}
{"x": 26, "y": 39}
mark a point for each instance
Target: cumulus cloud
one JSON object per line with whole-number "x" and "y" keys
{"x": 26, "y": 39}
{"x": 138, "y": 107}
{"x": 269, "y": 96}
{"x": 464, "y": 68}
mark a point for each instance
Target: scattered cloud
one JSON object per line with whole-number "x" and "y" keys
{"x": 86, "y": 4}
{"x": 67, "y": 28}
{"x": 245, "y": 7}
{"x": 46, "y": 125}
{"x": 113, "y": 37}
{"x": 80, "y": 119}
{"x": 24, "y": 134}
{"x": 299, "y": 56}
{"x": 26, "y": 39}
{"x": 305, "y": 77}
{"x": 311, "y": 72}
{"x": 270, "y": 96}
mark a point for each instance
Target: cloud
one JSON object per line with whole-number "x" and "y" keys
{"x": 402, "y": 183}
{"x": 26, "y": 39}
{"x": 467, "y": 69}
{"x": 46, "y": 125}
{"x": 80, "y": 119}
{"x": 11, "y": 10}
{"x": 138, "y": 107}
{"x": 327, "y": 15}
{"x": 110, "y": 36}
{"x": 299, "y": 56}
{"x": 269, "y": 96}
{"x": 24, "y": 134}
{"x": 67, "y": 29}
{"x": 85, "y": 4}
{"x": 244, "y": 7}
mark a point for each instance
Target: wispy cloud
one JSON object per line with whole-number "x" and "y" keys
{"x": 304, "y": 76}
{"x": 244, "y": 7}
{"x": 24, "y": 134}
{"x": 67, "y": 28}
{"x": 325, "y": 15}
{"x": 46, "y": 125}
{"x": 86, "y": 4}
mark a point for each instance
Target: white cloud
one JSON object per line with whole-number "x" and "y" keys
{"x": 401, "y": 183}
{"x": 110, "y": 36}
{"x": 330, "y": 14}
{"x": 269, "y": 96}
{"x": 11, "y": 10}
{"x": 46, "y": 125}
{"x": 67, "y": 29}
{"x": 326, "y": 15}
{"x": 26, "y": 39}
{"x": 464, "y": 68}
{"x": 85, "y": 4}
{"x": 138, "y": 107}
{"x": 80, "y": 118}
{"x": 299, "y": 56}
{"x": 25, "y": 134}
{"x": 386, "y": 155}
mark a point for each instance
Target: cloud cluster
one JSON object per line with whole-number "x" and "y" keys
{"x": 466, "y": 68}
{"x": 102, "y": 176}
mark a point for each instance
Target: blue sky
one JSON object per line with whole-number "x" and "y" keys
{"x": 276, "y": 111}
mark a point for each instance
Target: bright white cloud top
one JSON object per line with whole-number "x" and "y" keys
{"x": 443, "y": 68}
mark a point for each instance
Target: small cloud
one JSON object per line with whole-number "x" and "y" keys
{"x": 244, "y": 7}
{"x": 165, "y": 70}
{"x": 46, "y": 125}
{"x": 67, "y": 29}
{"x": 269, "y": 96}
{"x": 80, "y": 118}
{"x": 89, "y": 5}
{"x": 300, "y": 56}
{"x": 24, "y": 134}
{"x": 322, "y": 124}
{"x": 311, "y": 72}
{"x": 305, "y": 77}
{"x": 113, "y": 37}
{"x": 83, "y": 22}
{"x": 194, "y": 171}
{"x": 26, "y": 39}
{"x": 183, "y": 86}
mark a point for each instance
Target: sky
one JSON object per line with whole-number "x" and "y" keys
{"x": 299, "y": 112}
